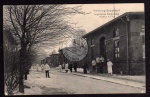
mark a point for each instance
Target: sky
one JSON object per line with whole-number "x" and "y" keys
{"x": 99, "y": 14}
{"x": 91, "y": 21}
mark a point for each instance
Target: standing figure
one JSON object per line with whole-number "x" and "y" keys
{"x": 37, "y": 67}
{"x": 98, "y": 64}
{"x": 109, "y": 66}
{"x": 70, "y": 67}
{"x": 93, "y": 65}
{"x": 47, "y": 68}
{"x": 101, "y": 64}
{"x": 66, "y": 67}
{"x": 75, "y": 67}
{"x": 85, "y": 66}
{"x": 63, "y": 65}
{"x": 42, "y": 67}
{"x": 60, "y": 67}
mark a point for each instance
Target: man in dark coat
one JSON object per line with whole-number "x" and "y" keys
{"x": 70, "y": 67}
{"x": 85, "y": 66}
{"x": 75, "y": 67}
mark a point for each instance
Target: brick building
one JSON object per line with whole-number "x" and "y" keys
{"x": 53, "y": 60}
{"x": 122, "y": 40}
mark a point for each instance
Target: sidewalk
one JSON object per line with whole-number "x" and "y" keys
{"x": 134, "y": 81}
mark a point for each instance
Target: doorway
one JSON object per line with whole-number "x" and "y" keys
{"x": 103, "y": 53}
{"x": 102, "y": 47}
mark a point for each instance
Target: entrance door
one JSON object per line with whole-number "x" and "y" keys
{"x": 103, "y": 53}
{"x": 102, "y": 47}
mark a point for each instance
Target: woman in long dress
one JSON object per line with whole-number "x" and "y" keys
{"x": 66, "y": 67}
{"x": 109, "y": 66}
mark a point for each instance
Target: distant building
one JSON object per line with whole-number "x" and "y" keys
{"x": 52, "y": 60}
{"x": 49, "y": 60}
{"x": 62, "y": 59}
{"x": 122, "y": 40}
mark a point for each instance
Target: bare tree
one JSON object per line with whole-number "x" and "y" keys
{"x": 11, "y": 63}
{"x": 31, "y": 57}
{"x": 34, "y": 24}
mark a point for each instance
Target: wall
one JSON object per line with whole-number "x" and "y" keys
{"x": 107, "y": 32}
{"x": 136, "y": 63}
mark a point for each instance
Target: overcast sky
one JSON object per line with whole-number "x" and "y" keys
{"x": 93, "y": 20}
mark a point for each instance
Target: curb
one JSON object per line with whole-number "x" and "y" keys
{"x": 116, "y": 81}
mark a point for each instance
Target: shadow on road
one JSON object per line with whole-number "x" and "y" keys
{"x": 49, "y": 91}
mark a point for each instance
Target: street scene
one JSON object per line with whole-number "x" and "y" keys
{"x": 78, "y": 83}
{"x": 64, "y": 49}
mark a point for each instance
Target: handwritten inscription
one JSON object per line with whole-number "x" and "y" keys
{"x": 107, "y": 13}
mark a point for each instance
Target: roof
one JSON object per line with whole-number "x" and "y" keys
{"x": 54, "y": 54}
{"x": 121, "y": 16}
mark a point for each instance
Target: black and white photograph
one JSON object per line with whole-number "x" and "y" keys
{"x": 65, "y": 49}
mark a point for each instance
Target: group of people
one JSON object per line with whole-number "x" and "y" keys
{"x": 68, "y": 66}
{"x": 98, "y": 65}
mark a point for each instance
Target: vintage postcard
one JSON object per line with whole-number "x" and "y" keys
{"x": 60, "y": 49}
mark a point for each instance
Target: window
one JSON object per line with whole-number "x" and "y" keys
{"x": 92, "y": 42}
{"x": 143, "y": 47}
{"x": 92, "y": 49}
{"x": 116, "y": 32}
{"x": 143, "y": 40}
{"x": 117, "y": 55}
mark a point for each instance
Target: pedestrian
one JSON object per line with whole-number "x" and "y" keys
{"x": 60, "y": 67}
{"x": 66, "y": 67}
{"x": 70, "y": 67}
{"x": 42, "y": 67}
{"x": 101, "y": 64}
{"x": 75, "y": 67}
{"x": 98, "y": 64}
{"x": 85, "y": 65}
{"x": 94, "y": 65}
{"x": 109, "y": 66}
{"x": 37, "y": 67}
{"x": 63, "y": 65}
{"x": 47, "y": 68}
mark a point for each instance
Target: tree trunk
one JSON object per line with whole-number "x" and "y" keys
{"x": 26, "y": 75}
{"x": 21, "y": 84}
{"x": 28, "y": 71}
{"x": 21, "y": 69}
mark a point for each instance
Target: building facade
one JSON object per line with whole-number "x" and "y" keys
{"x": 122, "y": 40}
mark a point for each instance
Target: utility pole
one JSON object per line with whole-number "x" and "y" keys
{"x": 128, "y": 64}
{"x": 114, "y": 10}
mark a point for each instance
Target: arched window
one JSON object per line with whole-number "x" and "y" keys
{"x": 92, "y": 49}
{"x": 117, "y": 55}
{"x": 92, "y": 41}
{"x": 143, "y": 40}
{"x": 116, "y": 33}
